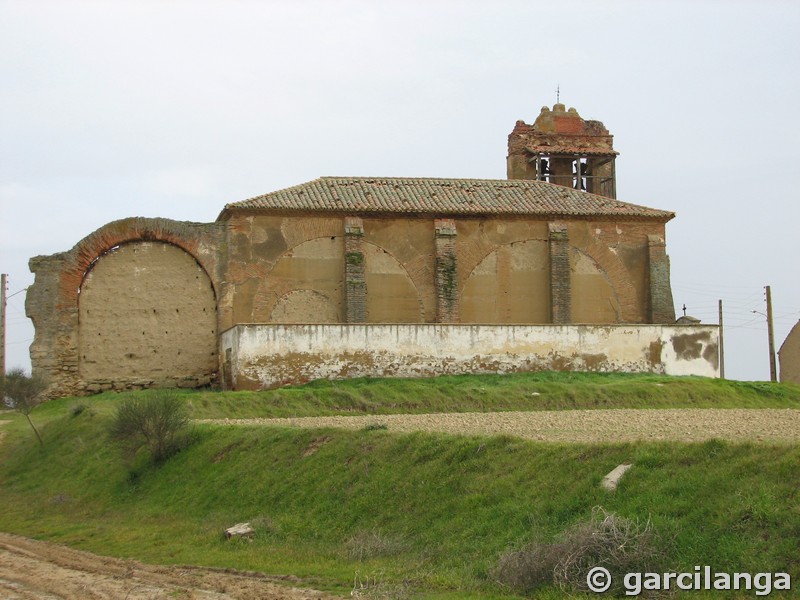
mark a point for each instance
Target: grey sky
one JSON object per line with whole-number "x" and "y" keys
{"x": 117, "y": 109}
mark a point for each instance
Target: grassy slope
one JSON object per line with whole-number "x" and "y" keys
{"x": 444, "y": 507}
{"x": 467, "y": 393}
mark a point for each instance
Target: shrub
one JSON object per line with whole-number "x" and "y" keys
{"x": 23, "y": 393}
{"x": 158, "y": 423}
{"x": 375, "y": 587}
{"x": 372, "y": 543}
{"x": 607, "y": 540}
{"x": 79, "y": 409}
{"x": 375, "y": 427}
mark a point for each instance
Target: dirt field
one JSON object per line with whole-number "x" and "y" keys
{"x": 37, "y": 570}
{"x": 619, "y": 425}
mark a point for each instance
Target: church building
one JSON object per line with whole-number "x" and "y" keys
{"x": 353, "y": 276}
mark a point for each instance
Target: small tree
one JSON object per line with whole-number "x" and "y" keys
{"x": 158, "y": 423}
{"x": 23, "y": 393}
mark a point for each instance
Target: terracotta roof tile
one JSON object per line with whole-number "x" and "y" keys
{"x": 444, "y": 197}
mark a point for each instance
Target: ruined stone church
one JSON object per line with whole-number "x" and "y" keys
{"x": 364, "y": 276}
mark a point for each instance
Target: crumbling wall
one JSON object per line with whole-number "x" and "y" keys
{"x": 147, "y": 316}
{"x": 265, "y": 356}
{"x": 789, "y": 355}
{"x": 275, "y": 262}
{"x": 307, "y": 268}
{"x": 52, "y": 301}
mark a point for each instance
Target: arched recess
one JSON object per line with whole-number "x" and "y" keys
{"x": 392, "y": 296}
{"x": 510, "y": 285}
{"x": 315, "y": 266}
{"x": 592, "y": 296}
{"x": 147, "y": 316}
{"x": 304, "y": 306}
{"x": 631, "y": 308}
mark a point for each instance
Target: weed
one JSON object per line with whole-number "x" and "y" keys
{"x": 607, "y": 540}
{"x": 376, "y": 587}
{"x": 375, "y": 427}
{"x": 79, "y": 409}
{"x": 372, "y": 543}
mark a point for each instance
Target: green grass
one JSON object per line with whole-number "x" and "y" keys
{"x": 474, "y": 393}
{"x": 430, "y": 512}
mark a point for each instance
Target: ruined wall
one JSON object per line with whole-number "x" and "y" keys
{"x": 789, "y": 355}
{"x": 305, "y": 268}
{"x": 264, "y": 356}
{"x": 283, "y": 268}
{"x": 301, "y": 268}
{"x": 52, "y": 301}
{"x": 147, "y": 316}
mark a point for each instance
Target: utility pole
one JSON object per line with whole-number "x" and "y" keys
{"x": 773, "y": 370}
{"x": 721, "y": 345}
{"x": 2, "y": 325}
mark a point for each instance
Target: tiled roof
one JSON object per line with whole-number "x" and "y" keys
{"x": 442, "y": 197}
{"x": 569, "y": 150}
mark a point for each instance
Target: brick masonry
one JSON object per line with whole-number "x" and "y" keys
{"x": 262, "y": 268}
{"x": 661, "y": 305}
{"x": 355, "y": 271}
{"x": 447, "y": 295}
{"x": 560, "y": 274}
{"x": 52, "y": 302}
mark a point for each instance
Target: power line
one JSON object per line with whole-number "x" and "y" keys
{"x": 17, "y": 292}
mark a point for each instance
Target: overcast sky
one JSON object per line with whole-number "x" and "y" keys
{"x": 172, "y": 109}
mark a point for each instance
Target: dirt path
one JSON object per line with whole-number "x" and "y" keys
{"x": 618, "y": 425}
{"x": 38, "y": 570}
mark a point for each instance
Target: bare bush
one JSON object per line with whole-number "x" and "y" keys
{"x": 527, "y": 569}
{"x": 371, "y": 543}
{"x": 375, "y": 587}
{"x": 158, "y": 423}
{"x": 607, "y": 540}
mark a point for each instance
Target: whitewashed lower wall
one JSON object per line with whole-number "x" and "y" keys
{"x": 266, "y": 356}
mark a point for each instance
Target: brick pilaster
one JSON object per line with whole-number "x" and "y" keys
{"x": 661, "y": 308}
{"x": 447, "y": 310}
{"x": 355, "y": 283}
{"x": 560, "y": 282}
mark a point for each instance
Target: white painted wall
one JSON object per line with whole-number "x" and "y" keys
{"x": 264, "y": 356}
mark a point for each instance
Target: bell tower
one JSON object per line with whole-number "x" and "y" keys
{"x": 562, "y": 148}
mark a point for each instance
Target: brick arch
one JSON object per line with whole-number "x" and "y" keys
{"x": 471, "y": 256}
{"x": 420, "y": 308}
{"x": 304, "y": 306}
{"x": 297, "y": 231}
{"x": 420, "y": 270}
{"x": 270, "y": 288}
{"x": 137, "y": 229}
{"x": 52, "y": 300}
{"x": 505, "y": 287}
{"x": 600, "y": 302}
{"x": 617, "y": 274}
{"x": 147, "y": 316}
